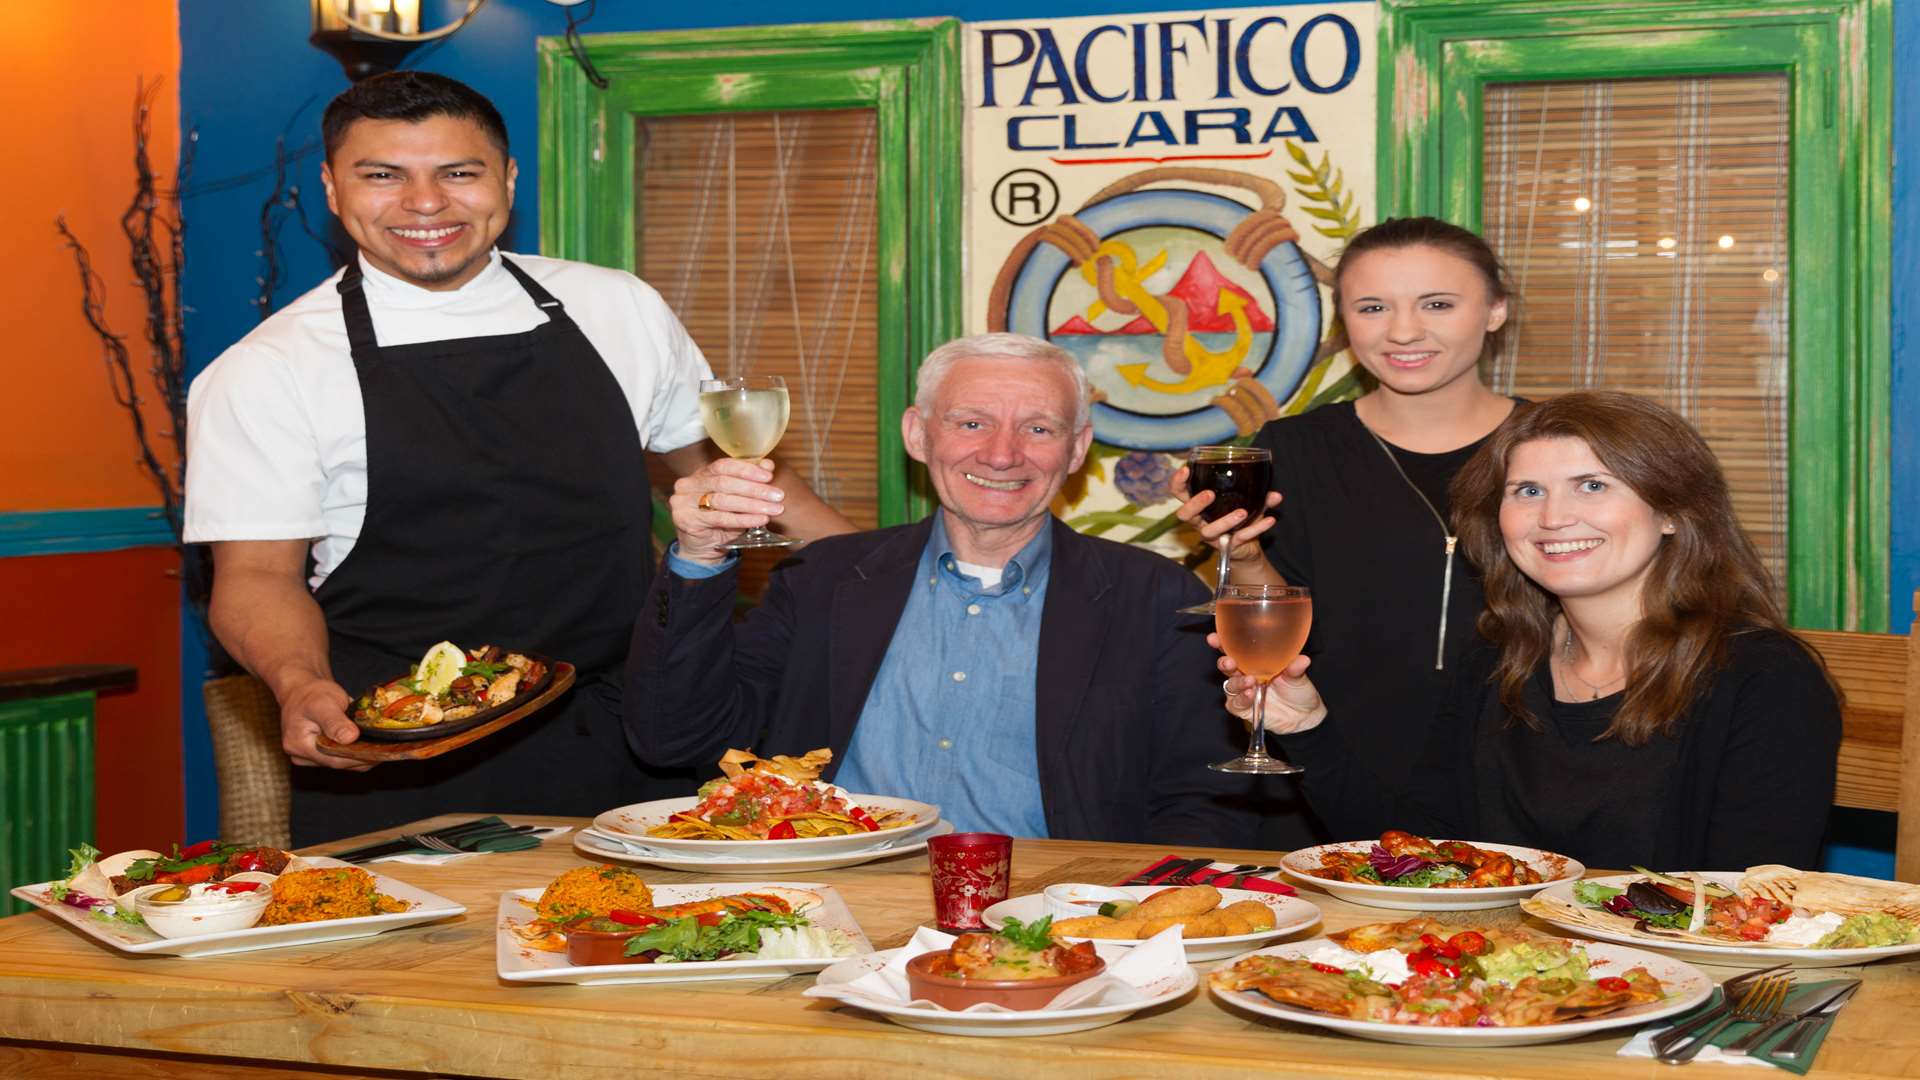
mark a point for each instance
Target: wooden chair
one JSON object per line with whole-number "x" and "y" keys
{"x": 253, "y": 772}
{"x": 1880, "y": 740}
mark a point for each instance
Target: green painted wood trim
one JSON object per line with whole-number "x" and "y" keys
{"x": 1437, "y": 56}
{"x": 68, "y": 532}
{"x": 907, "y": 71}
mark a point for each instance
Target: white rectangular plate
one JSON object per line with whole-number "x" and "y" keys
{"x": 518, "y": 963}
{"x": 425, "y": 907}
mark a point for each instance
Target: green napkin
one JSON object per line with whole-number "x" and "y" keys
{"x": 1799, "y": 998}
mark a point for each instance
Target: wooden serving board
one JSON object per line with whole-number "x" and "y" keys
{"x": 377, "y": 752}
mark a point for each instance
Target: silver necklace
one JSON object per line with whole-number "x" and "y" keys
{"x": 1566, "y": 663}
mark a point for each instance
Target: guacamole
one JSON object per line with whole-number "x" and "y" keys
{"x": 1547, "y": 959}
{"x": 1870, "y": 931}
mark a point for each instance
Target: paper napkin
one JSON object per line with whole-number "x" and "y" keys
{"x": 485, "y": 846}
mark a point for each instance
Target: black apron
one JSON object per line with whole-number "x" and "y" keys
{"x": 507, "y": 504}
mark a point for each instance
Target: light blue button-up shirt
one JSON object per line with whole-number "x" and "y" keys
{"x": 950, "y": 717}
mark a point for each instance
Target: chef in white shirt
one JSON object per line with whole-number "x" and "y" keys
{"x": 444, "y": 442}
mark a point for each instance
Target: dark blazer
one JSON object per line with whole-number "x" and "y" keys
{"x": 1127, "y": 713}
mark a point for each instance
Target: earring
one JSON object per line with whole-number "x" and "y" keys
{"x": 1667, "y": 528}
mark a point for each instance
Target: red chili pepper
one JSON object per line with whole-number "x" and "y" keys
{"x": 1613, "y": 984}
{"x": 1329, "y": 969}
{"x": 233, "y": 886}
{"x": 632, "y": 918}
{"x": 194, "y": 851}
{"x": 782, "y": 830}
{"x": 863, "y": 819}
{"x": 1470, "y": 942}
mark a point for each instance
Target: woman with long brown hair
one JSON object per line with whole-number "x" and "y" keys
{"x": 1639, "y": 698}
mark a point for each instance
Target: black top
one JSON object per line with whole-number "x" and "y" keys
{"x": 1747, "y": 779}
{"x": 1350, "y": 528}
{"x": 1568, "y": 787}
{"x": 1127, "y": 709}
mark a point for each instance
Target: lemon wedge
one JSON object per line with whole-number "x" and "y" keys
{"x": 439, "y": 668}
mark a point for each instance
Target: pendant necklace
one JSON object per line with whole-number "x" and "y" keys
{"x": 1566, "y": 662}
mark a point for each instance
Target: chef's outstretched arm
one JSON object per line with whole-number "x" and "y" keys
{"x": 798, "y": 512}
{"x": 267, "y": 619}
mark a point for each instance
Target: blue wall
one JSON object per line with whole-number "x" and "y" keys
{"x": 249, "y": 76}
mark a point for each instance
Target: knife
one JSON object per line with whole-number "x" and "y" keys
{"x": 1795, "y": 1044}
{"x": 1157, "y": 874}
{"x": 1729, "y": 990}
{"x": 1745, "y": 1043}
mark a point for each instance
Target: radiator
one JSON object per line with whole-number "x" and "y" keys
{"x": 46, "y": 788}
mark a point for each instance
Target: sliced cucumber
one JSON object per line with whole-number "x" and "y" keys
{"x": 1118, "y": 909}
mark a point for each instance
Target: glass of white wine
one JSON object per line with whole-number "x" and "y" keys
{"x": 746, "y": 416}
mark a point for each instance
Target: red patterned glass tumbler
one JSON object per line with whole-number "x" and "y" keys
{"x": 971, "y": 873}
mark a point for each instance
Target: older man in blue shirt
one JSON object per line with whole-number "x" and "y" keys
{"x": 989, "y": 659}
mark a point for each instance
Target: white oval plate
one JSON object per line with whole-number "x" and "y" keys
{"x": 1555, "y": 868}
{"x": 1290, "y": 914}
{"x": 1004, "y": 1024}
{"x": 1728, "y": 955}
{"x": 515, "y": 962}
{"x": 594, "y": 847}
{"x": 1687, "y": 987}
{"x": 632, "y": 822}
{"x": 424, "y": 907}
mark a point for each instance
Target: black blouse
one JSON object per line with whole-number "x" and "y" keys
{"x": 1350, "y": 528}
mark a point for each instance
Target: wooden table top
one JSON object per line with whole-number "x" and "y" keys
{"x": 426, "y": 999}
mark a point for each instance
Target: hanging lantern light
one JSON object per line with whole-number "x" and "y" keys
{"x": 372, "y": 36}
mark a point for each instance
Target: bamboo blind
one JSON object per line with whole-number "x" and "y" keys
{"x": 1644, "y": 222}
{"x": 759, "y": 231}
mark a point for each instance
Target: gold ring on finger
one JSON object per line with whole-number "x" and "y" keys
{"x": 706, "y": 500}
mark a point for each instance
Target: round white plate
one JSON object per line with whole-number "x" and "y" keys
{"x": 1005, "y": 1024}
{"x": 1687, "y": 986}
{"x": 1728, "y": 955}
{"x": 632, "y": 822}
{"x": 1555, "y": 868}
{"x": 912, "y": 840}
{"x": 1290, "y": 914}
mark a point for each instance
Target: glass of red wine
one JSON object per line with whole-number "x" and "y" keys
{"x": 1263, "y": 627}
{"x": 1239, "y": 477}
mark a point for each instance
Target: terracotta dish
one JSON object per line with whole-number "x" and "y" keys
{"x": 1018, "y": 994}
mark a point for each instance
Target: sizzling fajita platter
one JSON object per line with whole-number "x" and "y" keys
{"x": 1766, "y": 915}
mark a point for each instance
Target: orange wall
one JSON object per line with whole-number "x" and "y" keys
{"x": 114, "y": 607}
{"x": 67, "y": 78}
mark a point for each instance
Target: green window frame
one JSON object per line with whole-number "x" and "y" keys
{"x": 907, "y": 71}
{"x": 1437, "y": 57}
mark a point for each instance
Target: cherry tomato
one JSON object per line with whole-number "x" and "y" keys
{"x": 1431, "y": 941}
{"x": 1329, "y": 969}
{"x": 1470, "y": 942}
{"x": 1613, "y": 984}
{"x": 1425, "y": 962}
{"x": 783, "y": 830}
{"x": 247, "y": 860}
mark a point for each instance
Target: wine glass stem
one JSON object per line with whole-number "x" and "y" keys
{"x": 1257, "y": 741}
{"x": 1220, "y": 581}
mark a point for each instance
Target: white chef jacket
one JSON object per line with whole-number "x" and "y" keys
{"x": 276, "y": 433}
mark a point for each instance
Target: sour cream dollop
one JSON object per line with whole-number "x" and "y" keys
{"x": 1805, "y": 930}
{"x": 1384, "y": 966}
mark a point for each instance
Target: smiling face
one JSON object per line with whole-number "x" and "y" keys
{"x": 1573, "y": 527}
{"x": 997, "y": 441}
{"x": 1417, "y": 316}
{"x": 424, "y": 201}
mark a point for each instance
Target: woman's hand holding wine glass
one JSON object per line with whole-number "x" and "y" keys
{"x": 1244, "y": 527}
{"x": 1293, "y": 703}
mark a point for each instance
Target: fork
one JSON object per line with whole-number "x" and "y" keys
{"x": 1188, "y": 873}
{"x": 1760, "y": 1003}
{"x": 1673, "y": 1036}
{"x": 432, "y": 843}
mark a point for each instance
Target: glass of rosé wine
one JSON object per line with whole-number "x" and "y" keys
{"x": 1263, "y": 627}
